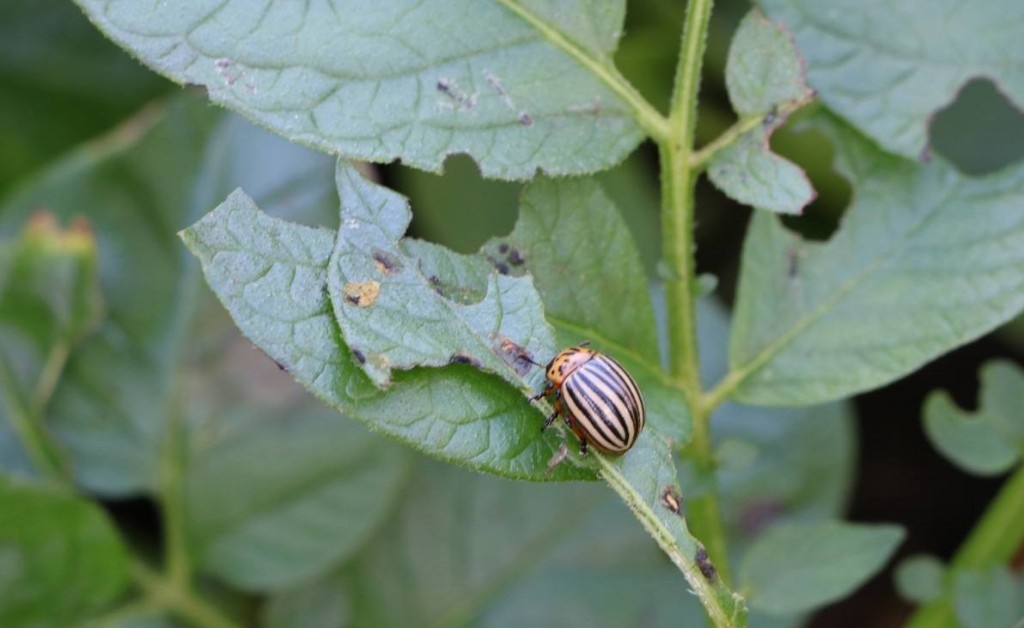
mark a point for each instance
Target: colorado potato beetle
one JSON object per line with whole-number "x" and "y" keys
{"x": 596, "y": 398}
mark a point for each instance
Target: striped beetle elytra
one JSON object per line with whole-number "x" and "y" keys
{"x": 595, "y": 396}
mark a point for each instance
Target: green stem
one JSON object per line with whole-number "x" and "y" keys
{"x": 172, "y": 500}
{"x": 49, "y": 377}
{"x": 27, "y": 418}
{"x": 993, "y": 542}
{"x": 163, "y": 592}
{"x": 699, "y": 159}
{"x": 653, "y": 123}
{"x": 679, "y": 177}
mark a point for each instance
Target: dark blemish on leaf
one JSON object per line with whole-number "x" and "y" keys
{"x": 463, "y": 358}
{"x": 793, "y": 256}
{"x": 515, "y": 355}
{"x": 525, "y": 119}
{"x": 502, "y": 268}
{"x": 515, "y": 257}
{"x": 358, "y": 355}
{"x": 281, "y": 365}
{"x": 770, "y": 118}
{"x": 385, "y": 262}
{"x": 503, "y": 248}
{"x": 671, "y": 499}
{"x": 361, "y": 293}
{"x": 704, "y": 564}
{"x": 460, "y": 99}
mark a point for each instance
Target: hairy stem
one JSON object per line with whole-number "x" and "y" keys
{"x": 993, "y": 542}
{"x": 679, "y": 172}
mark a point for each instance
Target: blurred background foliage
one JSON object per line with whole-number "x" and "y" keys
{"x": 63, "y": 84}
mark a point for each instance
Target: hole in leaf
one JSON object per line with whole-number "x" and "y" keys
{"x": 812, "y": 151}
{"x": 979, "y": 132}
{"x": 458, "y": 209}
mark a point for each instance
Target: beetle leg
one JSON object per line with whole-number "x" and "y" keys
{"x": 543, "y": 393}
{"x": 583, "y": 447}
{"x": 548, "y": 421}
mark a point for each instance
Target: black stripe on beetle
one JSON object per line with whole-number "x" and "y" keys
{"x": 600, "y": 401}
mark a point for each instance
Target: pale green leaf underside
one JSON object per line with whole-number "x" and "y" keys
{"x": 797, "y": 567}
{"x": 919, "y": 578}
{"x": 764, "y": 69}
{"x": 398, "y": 80}
{"x": 991, "y": 440}
{"x": 888, "y": 67}
{"x": 990, "y": 597}
{"x": 765, "y": 78}
{"x": 272, "y": 277}
{"x": 925, "y": 260}
{"x": 749, "y": 173}
{"x": 395, "y": 315}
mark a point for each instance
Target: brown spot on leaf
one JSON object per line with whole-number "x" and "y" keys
{"x": 515, "y": 355}
{"x": 515, "y": 257}
{"x": 671, "y": 499}
{"x": 358, "y": 355}
{"x": 361, "y": 293}
{"x": 525, "y": 119}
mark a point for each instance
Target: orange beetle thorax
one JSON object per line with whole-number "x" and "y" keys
{"x": 566, "y": 362}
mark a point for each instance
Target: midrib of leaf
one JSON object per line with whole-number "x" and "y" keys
{"x": 460, "y": 613}
{"x": 655, "y": 124}
{"x": 666, "y": 541}
{"x": 735, "y": 377}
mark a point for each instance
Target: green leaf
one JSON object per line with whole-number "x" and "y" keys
{"x": 321, "y": 603}
{"x": 109, "y": 406}
{"x": 765, "y": 78}
{"x": 919, "y": 578}
{"x": 775, "y": 465}
{"x": 571, "y": 238}
{"x": 60, "y": 558}
{"x": 798, "y": 567}
{"x": 63, "y": 83}
{"x": 136, "y": 185}
{"x": 459, "y": 542}
{"x": 272, "y": 277}
{"x": 990, "y": 441}
{"x": 814, "y": 320}
{"x": 398, "y": 82}
{"x": 764, "y": 71}
{"x": 991, "y": 597}
{"x": 322, "y": 486}
{"x": 392, "y": 310}
{"x": 888, "y": 68}
{"x": 468, "y": 549}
